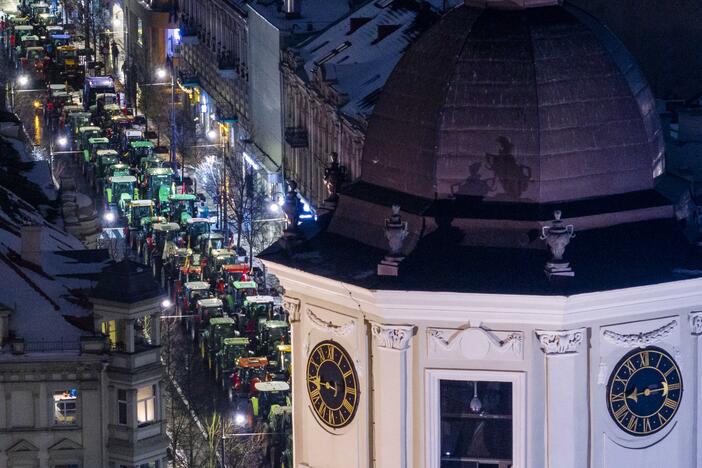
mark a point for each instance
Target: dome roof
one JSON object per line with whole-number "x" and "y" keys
{"x": 538, "y": 105}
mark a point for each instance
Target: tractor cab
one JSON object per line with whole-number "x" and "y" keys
{"x": 158, "y": 183}
{"x": 75, "y": 121}
{"x": 68, "y": 62}
{"x": 195, "y": 228}
{"x": 104, "y": 159}
{"x": 47, "y": 19}
{"x": 188, "y": 273}
{"x": 163, "y": 234}
{"x": 138, "y": 150}
{"x": 193, "y": 291}
{"x": 120, "y": 191}
{"x": 232, "y": 272}
{"x": 149, "y": 163}
{"x": 209, "y": 241}
{"x": 207, "y": 309}
{"x": 95, "y": 144}
{"x": 119, "y": 169}
{"x": 85, "y": 134}
{"x": 128, "y": 136}
{"x": 272, "y": 333}
{"x": 268, "y": 396}
{"x": 139, "y": 209}
{"x": 38, "y": 9}
{"x": 180, "y": 257}
{"x": 23, "y": 30}
{"x": 104, "y": 114}
{"x": 217, "y": 259}
{"x": 248, "y": 372}
{"x": 33, "y": 59}
{"x": 57, "y": 38}
{"x": 231, "y": 350}
{"x": 281, "y": 367}
{"x": 102, "y": 100}
{"x": 181, "y": 207}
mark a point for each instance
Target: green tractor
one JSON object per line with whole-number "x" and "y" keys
{"x": 157, "y": 184}
{"x": 212, "y": 339}
{"x": 119, "y": 192}
{"x": 225, "y": 358}
{"x": 267, "y": 396}
{"x": 271, "y": 334}
{"x": 119, "y": 169}
{"x": 139, "y": 150}
{"x": 85, "y": 134}
{"x": 104, "y": 159}
{"x": 139, "y": 209}
{"x": 182, "y": 207}
{"x": 195, "y": 228}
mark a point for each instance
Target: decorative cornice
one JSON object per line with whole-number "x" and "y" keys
{"x": 560, "y": 342}
{"x": 330, "y": 327}
{"x": 633, "y": 340}
{"x": 696, "y": 323}
{"x": 392, "y": 336}
{"x": 292, "y": 305}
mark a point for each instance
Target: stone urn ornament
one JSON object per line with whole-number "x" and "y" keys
{"x": 292, "y": 208}
{"x": 557, "y": 237}
{"x": 334, "y": 177}
{"x": 396, "y": 231}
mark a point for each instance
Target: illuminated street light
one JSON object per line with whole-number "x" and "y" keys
{"x": 166, "y": 303}
{"x": 274, "y": 207}
{"x": 239, "y": 419}
{"x": 212, "y": 134}
{"x": 161, "y": 73}
{"x": 109, "y": 217}
{"x": 23, "y": 80}
{"x": 62, "y": 141}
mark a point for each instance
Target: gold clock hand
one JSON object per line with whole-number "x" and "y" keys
{"x": 633, "y": 396}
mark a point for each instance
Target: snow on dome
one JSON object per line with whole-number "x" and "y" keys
{"x": 525, "y": 106}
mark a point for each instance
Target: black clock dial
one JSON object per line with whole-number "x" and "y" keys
{"x": 332, "y": 384}
{"x": 644, "y": 391}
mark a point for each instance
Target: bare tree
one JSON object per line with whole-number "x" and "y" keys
{"x": 153, "y": 104}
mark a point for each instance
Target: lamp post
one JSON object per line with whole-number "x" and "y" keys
{"x": 162, "y": 73}
{"x": 212, "y": 135}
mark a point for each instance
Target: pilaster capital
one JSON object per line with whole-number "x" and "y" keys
{"x": 292, "y": 305}
{"x": 696, "y": 323}
{"x": 392, "y": 336}
{"x": 560, "y": 341}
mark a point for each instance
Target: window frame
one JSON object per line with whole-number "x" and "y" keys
{"x": 433, "y": 378}
{"x": 153, "y": 398}
{"x": 55, "y": 405}
{"x": 121, "y": 402}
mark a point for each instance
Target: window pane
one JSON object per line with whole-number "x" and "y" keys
{"x": 476, "y": 424}
{"x": 145, "y": 392}
{"x": 65, "y": 406}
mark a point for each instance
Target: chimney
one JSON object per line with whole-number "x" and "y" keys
{"x": 31, "y": 243}
{"x": 4, "y": 323}
{"x": 291, "y": 8}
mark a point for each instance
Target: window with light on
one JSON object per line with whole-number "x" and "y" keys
{"x": 65, "y": 406}
{"x": 476, "y": 424}
{"x": 146, "y": 404}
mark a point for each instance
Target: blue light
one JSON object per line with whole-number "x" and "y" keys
{"x": 176, "y": 36}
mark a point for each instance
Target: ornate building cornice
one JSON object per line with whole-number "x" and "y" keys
{"x": 633, "y": 340}
{"x": 696, "y": 323}
{"x": 330, "y": 327}
{"x": 392, "y": 336}
{"x": 292, "y": 305}
{"x": 560, "y": 341}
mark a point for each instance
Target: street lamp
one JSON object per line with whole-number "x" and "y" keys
{"x": 161, "y": 74}
{"x": 62, "y": 141}
{"x": 212, "y": 134}
{"x": 23, "y": 80}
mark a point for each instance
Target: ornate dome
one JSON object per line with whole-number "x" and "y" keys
{"x": 535, "y": 106}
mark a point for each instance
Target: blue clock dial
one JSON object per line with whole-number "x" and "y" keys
{"x": 644, "y": 391}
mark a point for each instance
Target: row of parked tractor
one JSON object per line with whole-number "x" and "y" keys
{"x": 230, "y": 308}
{"x": 43, "y": 46}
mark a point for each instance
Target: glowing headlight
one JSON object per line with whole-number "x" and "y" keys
{"x": 239, "y": 419}
{"x": 109, "y": 217}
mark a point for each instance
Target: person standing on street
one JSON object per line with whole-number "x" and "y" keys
{"x": 115, "y": 55}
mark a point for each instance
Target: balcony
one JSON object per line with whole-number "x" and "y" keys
{"x": 296, "y": 137}
{"x": 144, "y": 355}
{"x": 227, "y": 66}
{"x": 189, "y": 33}
{"x": 135, "y": 434}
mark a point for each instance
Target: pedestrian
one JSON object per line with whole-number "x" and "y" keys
{"x": 115, "y": 55}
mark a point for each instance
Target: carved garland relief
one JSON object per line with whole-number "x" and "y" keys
{"x": 475, "y": 343}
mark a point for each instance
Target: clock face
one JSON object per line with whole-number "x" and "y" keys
{"x": 332, "y": 384}
{"x": 644, "y": 391}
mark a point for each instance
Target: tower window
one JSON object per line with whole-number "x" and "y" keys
{"x": 122, "y": 406}
{"x": 146, "y": 404}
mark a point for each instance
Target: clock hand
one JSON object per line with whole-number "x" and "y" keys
{"x": 634, "y": 395}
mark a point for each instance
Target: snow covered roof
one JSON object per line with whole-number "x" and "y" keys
{"x": 42, "y": 297}
{"x": 314, "y": 16}
{"x": 357, "y": 54}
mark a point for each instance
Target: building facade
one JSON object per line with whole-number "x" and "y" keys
{"x": 502, "y": 286}
{"x": 80, "y": 390}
